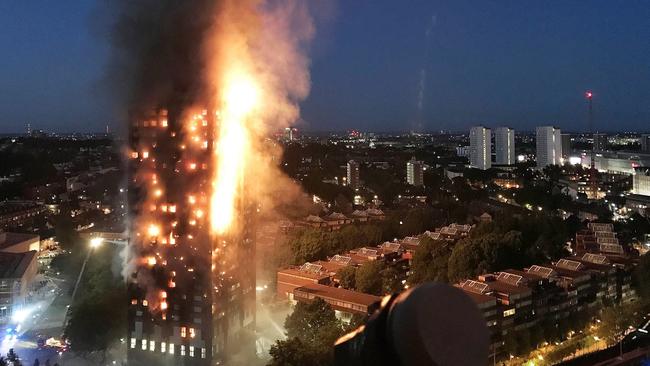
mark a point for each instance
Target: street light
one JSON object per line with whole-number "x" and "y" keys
{"x": 95, "y": 242}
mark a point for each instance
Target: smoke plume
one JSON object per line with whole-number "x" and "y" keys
{"x": 246, "y": 60}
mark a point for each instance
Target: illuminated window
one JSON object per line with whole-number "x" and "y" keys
{"x": 182, "y": 350}
{"x": 163, "y": 347}
{"x": 133, "y": 341}
{"x": 191, "y": 351}
{"x": 145, "y": 303}
{"x": 192, "y": 333}
{"x": 183, "y": 332}
{"x": 171, "y": 348}
{"x": 509, "y": 312}
{"x": 144, "y": 344}
{"x": 134, "y": 155}
{"x": 145, "y": 154}
{"x": 152, "y": 346}
{"x": 134, "y": 302}
{"x": 202, "y": 352}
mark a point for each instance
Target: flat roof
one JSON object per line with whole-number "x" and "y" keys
{"x": 563, "y": 272}
{"x": 14, "y": 265}
{"x": 337, "y": 293}
{"x": 10, "y": 239}
{"x": 503, "y": 287}
{"x": 527, "y": 276}
{"x": 479, "y": 298}
{"x": 296, "y": 272}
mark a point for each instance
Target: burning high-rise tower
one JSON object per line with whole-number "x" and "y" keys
{"x": 206, "y": 82}
{"x": 192, "y": 290}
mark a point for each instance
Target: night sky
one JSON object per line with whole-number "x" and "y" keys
{"x": 518, "y": 63}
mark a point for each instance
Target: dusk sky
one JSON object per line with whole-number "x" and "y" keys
{"x": 517, "y": 63}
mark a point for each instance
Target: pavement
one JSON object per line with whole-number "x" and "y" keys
{"x": 43, "y": 317}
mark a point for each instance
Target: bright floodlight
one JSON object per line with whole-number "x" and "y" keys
{"x": 95, "y": 242}
{"x": 20, "y": 315}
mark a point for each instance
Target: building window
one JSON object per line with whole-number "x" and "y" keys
{"x": 133, "y": 341}
{"x": 202, "y": 352}
{"x": 144, "y": 344}
{"x": 509, "y": 312}
{"x": 163, "y": 347}
{"x": 192, "y": 333}
{"x": 191, "y": 351}
{"x": 183, "y": 332}
{"x": 145, "y": 302}
{"x": 182, "y": 350}
{"x": 171, "y": 348}
{"x": 152, "y": 346}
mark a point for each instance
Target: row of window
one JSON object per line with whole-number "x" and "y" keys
{"x": 170, "y": 348}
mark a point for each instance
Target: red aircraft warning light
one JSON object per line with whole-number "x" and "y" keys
{"x": 589, "y": 94}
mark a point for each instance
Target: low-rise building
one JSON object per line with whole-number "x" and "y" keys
{"x": 345, "y": 303}
{"x": 290, "y": 278}
{"x": 19, "y": 213}
{"x": 18, "y": 242}
{"x": 17, "y": 272}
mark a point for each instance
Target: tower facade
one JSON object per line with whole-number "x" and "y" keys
{"x": 415, "y": 172}
{"x": 480, "y": 142}
{"x": 191, "y": 292}
{"x": 504, "y": 141}
{"x": 600, "y": 142}
{"x": 549, "y": 146}
{"x": 353, "y": 174}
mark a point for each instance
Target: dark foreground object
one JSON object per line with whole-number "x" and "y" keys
{"x": 432, "y": 324}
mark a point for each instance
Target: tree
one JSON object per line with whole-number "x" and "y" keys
{"x": 64, "y": 230}
{"x": 106, "y": 312}
{"x": 485, "y": 253}
{"x": 312, "y": 329}
{"x": 430, "y": 261}
{"x": 315, "y": 324}
{"x": 369, "y": 279}
{"x": 614, "y": 320}
{"x": 347, "y": 277}
{"x": 391, "y": 280}
{"x": 292, "y": 352}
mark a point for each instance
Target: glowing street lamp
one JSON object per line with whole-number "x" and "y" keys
{"x": 96, "y": 242}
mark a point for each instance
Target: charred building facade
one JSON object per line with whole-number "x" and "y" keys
{"x": 191, "y": 291}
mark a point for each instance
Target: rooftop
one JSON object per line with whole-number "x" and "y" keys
{"x": 10, "y": 239}
{"x": 336, "y": 293}
{"x": 14, "y": 265}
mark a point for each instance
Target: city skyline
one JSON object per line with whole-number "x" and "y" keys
{"x": 458, "y": 66}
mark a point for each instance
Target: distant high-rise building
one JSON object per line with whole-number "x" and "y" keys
{"x": 641, "y": 181}
{"x": 600, "y": 142}
{"x": 566, "y": 145}
{"x": 645, "y": 142}
{"x": 28, "y": 129}
{"x": 504, "y": 144}
{"x": 415, "y": 172}
{"x": 353, "y": 174}
{"x": 549, "y": 146}
{"x": 480, "y": 142}
{"x": 290, "y": 134}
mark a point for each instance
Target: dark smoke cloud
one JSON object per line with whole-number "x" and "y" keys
{"x": 156, "y": 51}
